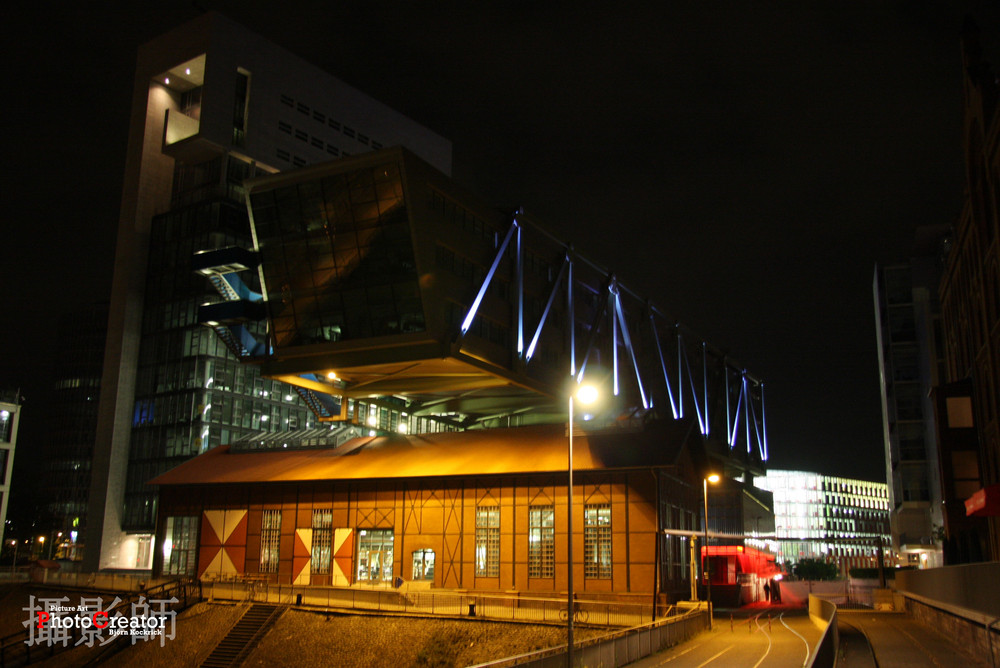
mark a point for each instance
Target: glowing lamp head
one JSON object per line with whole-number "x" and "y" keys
{"x": 586, "y": 394}
{"x": 713, "y": 478}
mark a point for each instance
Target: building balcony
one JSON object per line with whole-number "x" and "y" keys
{"x": 182, "y": 139}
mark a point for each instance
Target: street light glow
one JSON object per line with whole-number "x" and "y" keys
{"x": 587, "y": 394}
{"x": 713, "y": 478}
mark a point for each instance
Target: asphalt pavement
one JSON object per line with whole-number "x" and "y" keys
{"x": 772, "y": 636}
{"x": 761, "y": 637}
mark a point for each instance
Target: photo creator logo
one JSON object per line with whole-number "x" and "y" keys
{"x": 51, "y": 621}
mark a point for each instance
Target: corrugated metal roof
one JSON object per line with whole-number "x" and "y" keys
{"x": 534, "y": 449}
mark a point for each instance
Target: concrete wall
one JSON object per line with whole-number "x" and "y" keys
{"x": 972, "y": 587}
{"x": 963, "y": 602}
{"x": 824, "y": 614}
{"x": 966, "y": 633}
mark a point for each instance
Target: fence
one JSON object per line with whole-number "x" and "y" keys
{"x": 514, "y": 608}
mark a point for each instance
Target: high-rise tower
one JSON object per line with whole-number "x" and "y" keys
{"x": 213, "y": 104}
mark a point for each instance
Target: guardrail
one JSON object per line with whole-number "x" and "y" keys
{"x": 450, "y": 603}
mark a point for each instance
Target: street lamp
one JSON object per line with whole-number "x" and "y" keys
{"x": 13, "y": 564}
{"x": 711, "y": 478}
{"x": 585, "y": 394}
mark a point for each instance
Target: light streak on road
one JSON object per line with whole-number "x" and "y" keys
{"x": 805, "y": 662}
{"x": 766, "y": 635}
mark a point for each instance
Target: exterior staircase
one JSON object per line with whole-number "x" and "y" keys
{"x": 244, "y": 636}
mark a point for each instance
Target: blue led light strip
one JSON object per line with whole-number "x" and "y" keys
{"x": 694, "y": 396}
{"x": 736, "y": 419}
{"x": 663, "y": 366}
{"x": 614, "y": 340}
{"x": 595, "y": 326}
{"x": 628, "y": 346}
{"x": 520, "y": 291}
{"x": 763, "y": 419}
{"x": 470, "y": 316}
{"x": 567, "y": 264}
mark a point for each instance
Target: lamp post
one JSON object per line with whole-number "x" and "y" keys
{"x": 711, "y": 478}
{"x": 585, "y": 394}
{"x": 13, "y": 563}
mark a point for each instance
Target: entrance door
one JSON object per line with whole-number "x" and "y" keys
{"x": 374, "y": 555}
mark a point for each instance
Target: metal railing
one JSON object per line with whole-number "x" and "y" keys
{"x": 449, "y": 603}
{"x": 17, "y": 650}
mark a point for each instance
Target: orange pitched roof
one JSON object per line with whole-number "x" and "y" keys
{"x": 534, "y": 449}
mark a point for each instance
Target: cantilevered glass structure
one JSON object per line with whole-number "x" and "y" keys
{"x": 392, "y": 295}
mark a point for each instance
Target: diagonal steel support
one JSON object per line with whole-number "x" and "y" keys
{"x": 595, "y": 326}
{"x": 663, "y": 366}
{"x": 627, "y": 340}
{"x": 471, "y": 315}
{"x": 566, "y": 268}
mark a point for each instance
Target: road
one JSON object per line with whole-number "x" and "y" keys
{"x": 775, "y": 637}
{"x": 764, "y": 639}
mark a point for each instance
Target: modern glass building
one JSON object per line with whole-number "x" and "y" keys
{"x": 214, "y": 104}
{"x": 839, "y": 520}
{"x": 72, "y": 424}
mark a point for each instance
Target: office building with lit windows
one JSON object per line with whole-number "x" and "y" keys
{"x": 839, "y": 520}
{"x": 213, "y": 105}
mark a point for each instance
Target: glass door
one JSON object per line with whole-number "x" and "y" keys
{"x": 375, "y": 555}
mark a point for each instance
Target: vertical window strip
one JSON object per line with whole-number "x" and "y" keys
{"x": 597, "y": 541}
{"x": 541, "y": 542}
{"x": 488, "y": 541}
{"x": 270, "y": 539}
{"x": 322, "y": 539}
{"x": 182, "y": 535}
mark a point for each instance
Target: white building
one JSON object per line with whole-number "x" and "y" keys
{"x": 839, "y": 520}
{"x": 213, "y": 105}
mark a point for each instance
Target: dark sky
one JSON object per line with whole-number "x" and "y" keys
{"x": 743, "y": 164}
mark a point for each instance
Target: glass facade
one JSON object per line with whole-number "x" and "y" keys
{"x": 191, "y": 393}
{"x": 337, "y": 258}
{"x": 836, "y": 519}
{"x": 180, "y": 546}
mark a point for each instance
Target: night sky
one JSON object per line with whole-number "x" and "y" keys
{"x": 743, "y": 166}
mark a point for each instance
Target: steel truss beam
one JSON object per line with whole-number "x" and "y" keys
{"x": 715, "y": 400}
